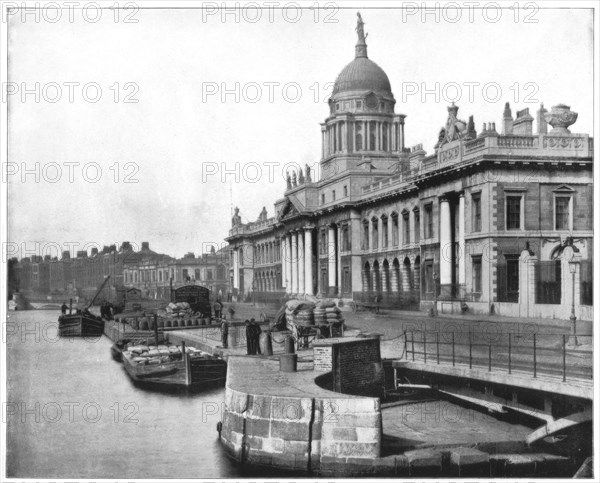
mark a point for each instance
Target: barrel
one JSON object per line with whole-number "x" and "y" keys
{"x": 266, "y": 346}
{"x": 232, "y": 337}
{"x": 288, "y": 345}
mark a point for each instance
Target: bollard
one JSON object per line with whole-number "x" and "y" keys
{"x": 564, "y": 358}
{"x": 288, "y": 362}
{"x": 534, "y": 356}
{"x": 509, "y": 353}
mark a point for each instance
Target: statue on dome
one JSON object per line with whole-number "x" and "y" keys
{"x": 236, "y": 219}
{"x": 300, "y": 177}
{"x": 308, "y": 178}
{"x": 360, "y": 29}
{"x": 288, "y": 181}
{"x": 294, "y": 182}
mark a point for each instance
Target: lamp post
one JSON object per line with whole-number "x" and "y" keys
{"x": 573, "y": 269}
{"x": 435, "y": 293}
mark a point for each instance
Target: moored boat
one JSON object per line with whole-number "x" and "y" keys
{"x": 171, "y": 366}
{"x": 80, "y": 325}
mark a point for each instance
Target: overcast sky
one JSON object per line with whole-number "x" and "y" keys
{"x": 181, "y": 130}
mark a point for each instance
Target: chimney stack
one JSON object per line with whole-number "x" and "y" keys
{"x": 507, "y": 121}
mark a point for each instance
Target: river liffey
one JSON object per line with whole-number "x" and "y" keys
{"x": 72, "y": 412}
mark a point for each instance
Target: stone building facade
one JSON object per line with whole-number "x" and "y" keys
{"x": 496, "y": 221}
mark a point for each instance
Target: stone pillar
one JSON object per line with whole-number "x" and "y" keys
{"x": 526, "y": 283}
{"x": 395, "y": 285}
{"x": 301, "y": 258}
{"x": 332, "y": 260}
{"x": 339, "y": 260}
{"x": 288, "y": 263}
{"x": 283, "y": 255}
{"x": 445, "y": 243}
{"x": 236, "y": 269}
{"x": 294, "y": 260}
{"x": 308, "y": 262}
{"x": 370, "y": 234}
{"x": 384, "y": 278}
{"x": 461, "y": 240}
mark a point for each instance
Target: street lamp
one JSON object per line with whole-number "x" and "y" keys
{"x": 573, "y": 269}
{"x": 435, "y": 293}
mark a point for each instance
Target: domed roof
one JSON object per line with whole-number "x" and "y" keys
{"x": 362, "y": 74}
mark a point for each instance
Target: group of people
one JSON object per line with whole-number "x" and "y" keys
{"x": 106, "y": 310}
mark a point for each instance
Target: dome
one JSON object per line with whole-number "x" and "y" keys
{"x": 362, "y": 74}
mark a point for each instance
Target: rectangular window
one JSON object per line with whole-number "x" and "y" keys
{"x": 417, "y": 226}
{"x": 323, "y": 244}
{"x": 197, "y": 274}
{"x": 513, "y": 212}
{"x": 429, "y": 277}
{"x": 323, "y": 199}
{"x": 345, "y": 191}
{"x": 333, "y": 195}
{"x": 562, "y": 212}
{"x": 406, "y": 223}
{"x": 345, "y": 238}
{"x": 476, "y": 260}
{"x": 209, "y": 274}
{"x": 384, "y": 232}
{"x": 346, "y": 283}
{"x": 476, "y": 212}
{"x": 429, "y": 220}
{"x": 185, "y": 275}
{"x": 395, "y": 230}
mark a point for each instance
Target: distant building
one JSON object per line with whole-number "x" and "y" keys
{"x": 496, "y": 221}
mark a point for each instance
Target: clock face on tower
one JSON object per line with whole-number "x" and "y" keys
{"x": 371, "y": 101}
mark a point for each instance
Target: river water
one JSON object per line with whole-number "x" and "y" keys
{"x": 72, "y": 412}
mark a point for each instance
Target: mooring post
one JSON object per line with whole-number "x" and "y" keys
{"x": 490, "y": 358}
{"x": 453, "y": 360}
{"x": 405, "y": 345}
{"x": 425, "y": 346}
{"x": 470, "y": 350}
{"x": 509, "y": 352}
{"x": 564, "y": 358}
{"x": 534, "y": 356}
{"x": 437, "y": 343}
{"x": 412, "y": 339}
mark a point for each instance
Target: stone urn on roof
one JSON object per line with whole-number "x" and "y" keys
{"x": 560, "y": 118}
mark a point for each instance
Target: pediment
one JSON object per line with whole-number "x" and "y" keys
{"x": 291, "y": 208}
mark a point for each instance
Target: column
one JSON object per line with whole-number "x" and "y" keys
{"x": 339, "y": 259}
{"x": 461, "y": 240}
{"x": 284, "y": 277}
{"x": 236, "y": 271}
{"x": 445, "y": 243}
{"x": 294, "y": 261}
{"x": 308, "y": 262}
{"x": 288, "y": 263}
{"x": 332, "y": 259}
{"x": 301, "y": 255}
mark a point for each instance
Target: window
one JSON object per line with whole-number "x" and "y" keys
{"x": 197, "y": 274}
{"x": 346, "y": 281}
{"x": 375, "y": 223}
{"x": 358, "y": 137}
{"x": 372, "y": 131}
{"x": 476, "y": 273}
{"x": 333, "y": 195}
{"x": 513, "y": 212}
{"x": 323, "y": 199}
{"x": 209, "y": 274}
{"x": 359, "y": 104}
{"x": 185, "y": 275}
{"x": 366, "y": 235}
{"x": 395, "y": 229}
{"x": 345, "y": 191}
{"x": 384, "y": 136}
{"x": 429, "y": 276}
{"x": 476, "y": 211}
{"x": 323, "y": 244}
{"x": 346, "y": 244}
{"x": 406, "y": 223}
{"x": 417, "y": 225}
{"x": 384, "y": 231}
{"x": 429, "y": 220}
{"x": 562, "y": 212}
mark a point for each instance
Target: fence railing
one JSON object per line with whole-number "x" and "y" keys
{"x": 533, "y": 353}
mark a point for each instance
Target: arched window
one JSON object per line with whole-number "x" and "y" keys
{"x": 384, "y": 137}
{"x": 372, "y": 135}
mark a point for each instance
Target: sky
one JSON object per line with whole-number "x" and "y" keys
{"x": 154, "y": 130}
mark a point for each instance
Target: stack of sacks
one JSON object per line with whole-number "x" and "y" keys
{"x": 299, "y": 313}
{"x": 326, "y": 313}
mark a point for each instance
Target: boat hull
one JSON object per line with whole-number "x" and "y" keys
{"x": 78, "y": 325}
{"x": 202, "y": 372}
